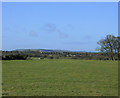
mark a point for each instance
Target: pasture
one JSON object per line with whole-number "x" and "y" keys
{"x": 59, "y": 77}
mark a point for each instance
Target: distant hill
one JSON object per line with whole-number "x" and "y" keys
{"x": 42, "y": 50}
{"x": 46, "y": 50}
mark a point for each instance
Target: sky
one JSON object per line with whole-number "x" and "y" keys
{"x": 75, "y": 26}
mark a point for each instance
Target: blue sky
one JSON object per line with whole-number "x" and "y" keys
{"x": 50, "y": 25}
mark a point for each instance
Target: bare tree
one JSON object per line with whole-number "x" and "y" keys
{"x": 110, "y": 46}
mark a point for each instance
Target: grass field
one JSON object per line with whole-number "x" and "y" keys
{"x": 60, "y": 77}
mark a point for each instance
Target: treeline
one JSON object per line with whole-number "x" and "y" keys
{"x": 26, "y": 55}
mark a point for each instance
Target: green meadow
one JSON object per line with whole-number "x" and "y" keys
{"x": 59, "y": 77}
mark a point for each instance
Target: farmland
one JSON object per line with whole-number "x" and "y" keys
{"x": 59, "y": 77}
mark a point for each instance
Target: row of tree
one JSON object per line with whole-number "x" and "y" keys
{"x": 15, "y": 55}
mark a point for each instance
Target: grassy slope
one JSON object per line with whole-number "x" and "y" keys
{"x": 60, "y": 77}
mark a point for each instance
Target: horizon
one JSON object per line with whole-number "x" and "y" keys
{"x": 61, "y": 26}
{"x": 53, "y": 50}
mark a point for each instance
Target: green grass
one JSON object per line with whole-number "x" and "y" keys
{"x": 60, "y": 77}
